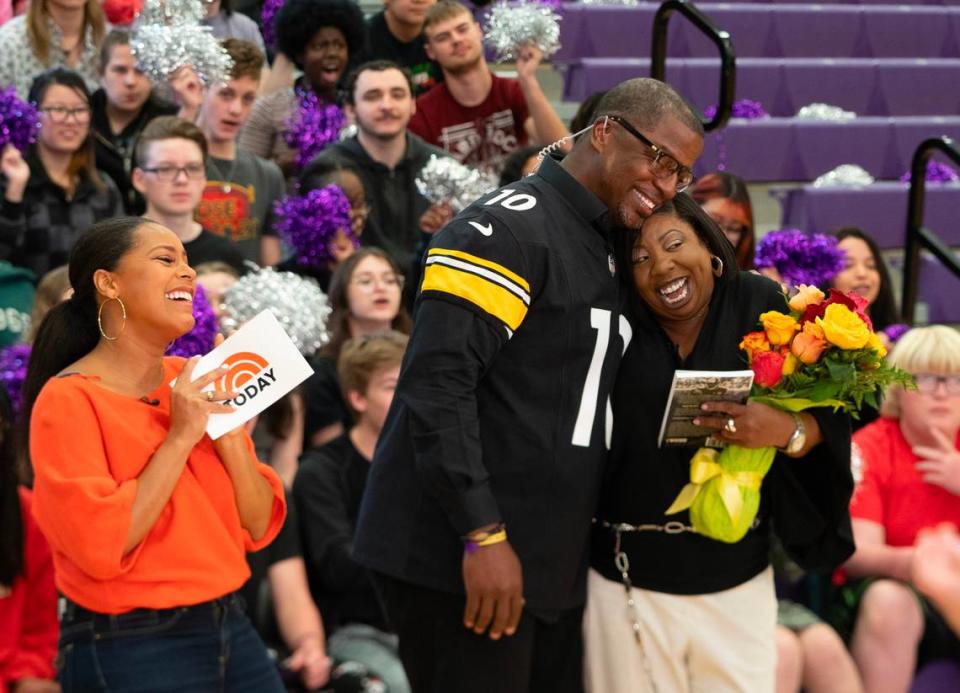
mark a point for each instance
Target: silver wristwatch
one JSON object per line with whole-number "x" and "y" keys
{"x": 798, "y": 438}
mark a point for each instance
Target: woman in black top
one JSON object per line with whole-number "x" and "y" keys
{"x": 704, "y": 610}
{"x": 55, "y": 192}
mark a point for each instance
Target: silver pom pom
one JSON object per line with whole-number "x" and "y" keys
{"x": 443, "y": 179}
{"x": 824, "y": 111}
{"x": 297, "y": 302}
{"x": 511, "y": 26}
{"x": 168, "y": 36}
{"x": 845, "y": 175}
{"x": 611, "y": 3}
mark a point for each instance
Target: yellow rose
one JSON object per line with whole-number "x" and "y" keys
{"x": 877, "y": 345}
{"x": 779, "y": 327}
{"x": 789, "y": 363}
{"x": 754, "y": 342}
{"x": 805, "y": 296}
{"x": 844, "y": 328}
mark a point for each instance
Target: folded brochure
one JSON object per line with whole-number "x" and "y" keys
{"x": 689, "y": 390}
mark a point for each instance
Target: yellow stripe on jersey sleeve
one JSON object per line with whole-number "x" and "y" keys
{"x": 516, "y": 278}
{"x": 483, "y": 293}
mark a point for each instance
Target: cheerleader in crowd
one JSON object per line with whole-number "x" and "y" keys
{"x": 322, "y": 38}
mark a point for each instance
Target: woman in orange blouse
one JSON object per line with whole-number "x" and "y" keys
{"x": 147, "y": 517}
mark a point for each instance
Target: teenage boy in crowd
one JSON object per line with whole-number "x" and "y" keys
{"x": 121, "y": 108}
{"x": 476, "y": 116}
{"x": 388, "y": 158}
{"x": 396, "y": 33}
{"x": 327, "y": 491}
{"x": 241, "y": 187}
{"x": 170, "y": 174}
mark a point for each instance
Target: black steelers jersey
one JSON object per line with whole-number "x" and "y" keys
{"x": 502, "y": 411}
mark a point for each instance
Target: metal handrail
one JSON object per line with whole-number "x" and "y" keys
{"x": 919, "y": 237}
{"x": 721, "y": 38}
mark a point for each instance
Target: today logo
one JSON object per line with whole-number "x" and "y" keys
{"x": 249, "y": 374}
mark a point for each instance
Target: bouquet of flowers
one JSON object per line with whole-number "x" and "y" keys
{"x": 823, "y": 352}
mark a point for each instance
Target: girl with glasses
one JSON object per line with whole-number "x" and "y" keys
{"x": 54, "y": 191}
{"x": 365, "y": 295}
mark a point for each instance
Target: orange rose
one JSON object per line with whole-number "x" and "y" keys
{"x": 809, "y": 344}
{"x": 805, "y": 296}
{"x": 754, "y": 342}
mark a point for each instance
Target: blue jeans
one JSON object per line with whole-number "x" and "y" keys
{"x": 206, "y": 648}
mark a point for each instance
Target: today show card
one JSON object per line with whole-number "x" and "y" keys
{"x": 264, "y": 366}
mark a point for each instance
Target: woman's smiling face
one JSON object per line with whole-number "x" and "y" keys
{"x": 671, "y": 267}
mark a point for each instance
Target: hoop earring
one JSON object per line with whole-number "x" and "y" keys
{"x": 717, "y": 265}
{"x": 123, "y": 311}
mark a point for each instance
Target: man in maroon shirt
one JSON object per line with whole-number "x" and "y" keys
{"x": 476, "y": 116}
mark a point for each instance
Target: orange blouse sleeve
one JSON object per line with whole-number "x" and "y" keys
{"x": 82, "y": 510}
{"x": 279, "y": 510}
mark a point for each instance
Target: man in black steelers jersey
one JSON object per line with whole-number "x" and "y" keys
{"x": 477, "y": 510}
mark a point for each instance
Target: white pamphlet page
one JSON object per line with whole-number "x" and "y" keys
{"x": 264, "y": 366}
{"x": 689, "y": 390}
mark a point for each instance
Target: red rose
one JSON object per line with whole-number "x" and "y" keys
{"x": 767, "y": 368}
{"x": 855, "y": 302}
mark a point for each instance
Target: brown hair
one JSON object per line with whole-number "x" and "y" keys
{"x": 361, "y": 357}
{"x": 340, "y": 315}
{"x": 115, "y": 37}
{"x": 247, "y": 58}
{"x": 50, "y": 292}
{"x": 169, "y": 128}
{"x": 38, "y": 33}
{"x": 727, "y": 186}
{"x": 442, "y": 11}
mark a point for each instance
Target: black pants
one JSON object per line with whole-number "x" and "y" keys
{"x": 441, "y": 656}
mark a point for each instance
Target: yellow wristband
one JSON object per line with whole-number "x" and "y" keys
{"x": 494, "y": 538}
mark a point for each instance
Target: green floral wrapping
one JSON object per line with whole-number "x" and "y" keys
{"x": 723, "y": 495}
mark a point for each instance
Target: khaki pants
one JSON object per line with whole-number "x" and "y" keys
{"x": 705, "y": 643}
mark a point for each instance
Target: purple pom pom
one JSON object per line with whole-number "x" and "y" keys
{"x": 19, "y": 121}
{"x": 199, "y": 340}
{"x": 310, "y": 222}
{"x": 267, "y": 15}
{"x": 800, "y": 258}
{"x": 936, "y": 173}
{"x": 742, "y": 108}
{"x": 895, "y": 331}
{"x": 313, "y": 126}
{"x": 13, "y": 371}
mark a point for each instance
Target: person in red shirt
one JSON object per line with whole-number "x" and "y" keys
{"x": 28, "y": 597}
{"x": 148, "y": 518}
{"x": 475, "y": 115}
{"x": 907, "y": 468}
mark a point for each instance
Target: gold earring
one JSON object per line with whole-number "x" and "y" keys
{"x": 123, "y": 311}
{"x": 717, "y": 264}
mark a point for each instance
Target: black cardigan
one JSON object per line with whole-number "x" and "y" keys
{"x": 805, "y": 501}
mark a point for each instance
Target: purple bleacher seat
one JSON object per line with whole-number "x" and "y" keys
{"x": 938, "y": 676}
{"x": 866, "y": 86}
{"x": 879, "y": 209}
{"x": 787, "y": 149}
{"x": 768, "y": 30}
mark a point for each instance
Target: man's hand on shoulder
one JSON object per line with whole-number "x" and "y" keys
{"x": 493, "y": 579}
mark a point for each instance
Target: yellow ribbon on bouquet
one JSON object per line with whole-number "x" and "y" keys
{"x": 703, "y": 468}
